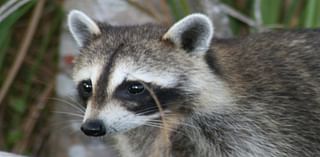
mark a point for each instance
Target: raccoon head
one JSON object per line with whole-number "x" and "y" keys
{"x": 124, "y": 72}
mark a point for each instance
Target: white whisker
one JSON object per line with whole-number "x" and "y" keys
{"x": 69, "y": 114}
{"x": 76, "y": 102}
{"x": 177, "y": 123}
{"x": 69, "y": 103}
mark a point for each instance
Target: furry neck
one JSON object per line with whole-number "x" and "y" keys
{"x": 201, "y": 135}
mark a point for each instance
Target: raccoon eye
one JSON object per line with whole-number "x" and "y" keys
{"x": 135, "y": 88}
{"x": 85, "y": 89}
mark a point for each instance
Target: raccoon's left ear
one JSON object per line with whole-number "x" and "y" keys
{"x": 193, "y": 33}
{"x": 82, "y": 27}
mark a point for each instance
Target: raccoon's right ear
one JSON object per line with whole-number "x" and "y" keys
{"x": 82, "y": 27}
{"x": 192, "y": 33}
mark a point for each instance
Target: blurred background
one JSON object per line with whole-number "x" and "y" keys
{"x": 37, "y": 109}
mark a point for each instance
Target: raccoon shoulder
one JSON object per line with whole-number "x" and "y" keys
{"x": 268, "y": 60}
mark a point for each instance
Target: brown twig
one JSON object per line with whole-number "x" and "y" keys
{"x": 22, "y": 50}
{"x": 32, "y": 118}
{"x": 41, "y": 141}
{"x": 166, "y": 12}
{"x": 144, "y": 9}
{"x": 257, "y": 12}
{"x": 165, "y": 130}
{"x": 18, "y": 61}
{"x": 231, "y": 12}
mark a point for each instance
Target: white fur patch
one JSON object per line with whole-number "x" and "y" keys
{"x": 129, "y": 72}
{"x": 120, "y": 119}
{"x": 214, "y": 95}
{"x": 90, "y": 72}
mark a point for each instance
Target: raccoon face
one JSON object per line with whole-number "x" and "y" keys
{"x": 126, "y": 75}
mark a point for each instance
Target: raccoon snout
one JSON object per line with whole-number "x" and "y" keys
{"x": 93, "y": 128}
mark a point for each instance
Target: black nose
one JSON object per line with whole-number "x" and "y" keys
{"x": 93, "y": 128}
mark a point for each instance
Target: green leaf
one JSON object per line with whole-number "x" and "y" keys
{"x": 4, "y": 47}
{"x": 6, "y": 28}
{"x": 185, "y": 7}
{"x": 310, "y": 14}
{"x": 178, "y": 8}
{"x": 291, "y": 11}
{"x": 14, "y": 136}
{"x": 18, "y": 105}
{"x": 174, "y": 10}
{"x": 270, "y": 11}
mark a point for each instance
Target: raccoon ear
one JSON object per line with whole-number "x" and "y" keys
{"x": 82, "y": 27}
{"x": 193, "y": 33}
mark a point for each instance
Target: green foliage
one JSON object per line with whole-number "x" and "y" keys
{"x": 6, "y": 30}
{"x": 18, "y": 105}
{"x": 43, "y": 48}
{"x": 12, "y": 137}
{"x": 179, "y": 8}
{"x": 274, "y": 13}
{"x": 311, "y": 14}
{"x": 270, "y": 11}
{"x": 289, "y": 14}
{"x": 23, "y": 92}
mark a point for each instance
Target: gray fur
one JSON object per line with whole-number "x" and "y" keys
{"x": 193, "y": 33}
{"x": 255, "y": 96}
{"x": 81, "y": 27}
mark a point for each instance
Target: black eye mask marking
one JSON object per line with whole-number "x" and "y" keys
{"x": 85, "y": 89}
{"x": 133, "y": 92}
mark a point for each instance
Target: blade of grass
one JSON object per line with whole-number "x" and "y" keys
{"x": 310, "y": 13}
{"x": 22, "y": 50}
{"x": 6, "y": 27}
{"x": 7, "y": 11}
{"x": 6, "y": 4}
{"x": 5, "y": 39}
{"x": 270, "y": 11}
{"x": 174, "y": 9}
{"x": 237, "y": 15}
{"x": 4, "y": 45}
{"x": 54, "y": 27}
{"x": 235, "y": 25}
{"x": 317, "y": 17}
{"x": 257, "y": 12}
{"x": 291, "y": 12}
{"x": 185, "y": 7}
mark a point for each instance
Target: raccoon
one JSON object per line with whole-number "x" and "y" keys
{"x": 253, "y": 96}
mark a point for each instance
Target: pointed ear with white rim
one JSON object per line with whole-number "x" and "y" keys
{"x": 192, "y": 33}
{"x": 82, "y": 27}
